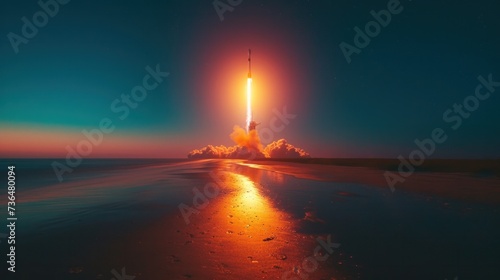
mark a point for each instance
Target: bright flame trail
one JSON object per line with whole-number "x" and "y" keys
{"x": 249, "y": 103}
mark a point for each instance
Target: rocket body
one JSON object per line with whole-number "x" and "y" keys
{"x": 249, "y": 63}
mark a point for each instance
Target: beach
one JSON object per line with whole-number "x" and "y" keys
{"x": 238, "y": 219}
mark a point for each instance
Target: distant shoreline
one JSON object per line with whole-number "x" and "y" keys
{"x": 475, "y": 166}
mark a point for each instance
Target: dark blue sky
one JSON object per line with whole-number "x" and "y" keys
{"x": 395, "y": 90}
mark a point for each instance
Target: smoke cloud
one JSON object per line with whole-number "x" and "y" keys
{"x": 248, "y": 146}
{"x": 281, "y": 149}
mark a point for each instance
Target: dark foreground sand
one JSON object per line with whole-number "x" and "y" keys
{"x": 258, "y": 220}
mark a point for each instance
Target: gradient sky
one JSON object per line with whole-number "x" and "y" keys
{"x": 396, "y": 90}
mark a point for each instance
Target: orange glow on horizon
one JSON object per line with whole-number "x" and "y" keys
{"x": 51, "y": 142}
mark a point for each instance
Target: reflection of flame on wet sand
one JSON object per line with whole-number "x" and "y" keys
{"x": 248, "y": 234}
{"x": 239, "y": 234}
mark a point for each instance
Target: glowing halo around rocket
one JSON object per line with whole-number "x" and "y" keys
{"x": 248, "y": 144}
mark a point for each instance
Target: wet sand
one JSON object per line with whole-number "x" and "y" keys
{"x": 235, "y": 234}
{"x": 258, "y": 220}
{"x": 467, "y": 180}
{"x": 238, "y": 235}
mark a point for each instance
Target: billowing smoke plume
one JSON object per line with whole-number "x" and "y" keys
{"x": 248, "y": 146}
{"x": 281, "y": 149}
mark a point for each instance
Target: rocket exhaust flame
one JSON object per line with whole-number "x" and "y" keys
{"x": 249, "y": 104}
{"x": 249, "y": 92}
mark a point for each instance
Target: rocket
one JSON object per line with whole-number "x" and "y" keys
{"x": 251, "y": 124}
{"x": 249, "y": 63}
